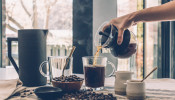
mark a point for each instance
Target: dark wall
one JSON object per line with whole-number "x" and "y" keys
{"x": 82, "y": 32}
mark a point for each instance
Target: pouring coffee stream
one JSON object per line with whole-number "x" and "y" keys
{"x": 96, "y": 55}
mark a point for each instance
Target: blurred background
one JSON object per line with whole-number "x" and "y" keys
{"x": 74, "y": 22}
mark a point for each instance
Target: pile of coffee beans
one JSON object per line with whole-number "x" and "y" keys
{"x": 88, "y": 95}
{"x": 71, "y": 78}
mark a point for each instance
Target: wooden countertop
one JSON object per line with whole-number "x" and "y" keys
{"x": 156, "y": 89}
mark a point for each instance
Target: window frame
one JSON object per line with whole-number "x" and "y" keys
{"x": 144, "y": 39}
{"x": 172, "y": 49}
{"x": 0, "y": 33}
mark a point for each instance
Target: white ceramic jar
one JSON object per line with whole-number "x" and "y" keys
{"x": 135, "y": 90}
{"x": 120, "y": 79}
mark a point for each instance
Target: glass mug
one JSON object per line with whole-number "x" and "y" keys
{"x": 94, "y": 71}
{"x": 55, "y": 67}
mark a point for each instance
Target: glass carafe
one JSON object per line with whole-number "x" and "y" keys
{"x": 107, "y": 38}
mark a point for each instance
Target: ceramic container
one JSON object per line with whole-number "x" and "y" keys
{"x": 120, "y": 79}
{"x": 135, "y": 90}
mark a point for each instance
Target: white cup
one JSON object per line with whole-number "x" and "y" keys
{"x": 135, "y": 90}
{"x": 120, "y": 79}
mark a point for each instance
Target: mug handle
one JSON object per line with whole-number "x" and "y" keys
{"x": 113, "y": 71}
{"x": 41, "y": 67}
{"x": 42, "y": 73}
{"x": 9, "y": 45}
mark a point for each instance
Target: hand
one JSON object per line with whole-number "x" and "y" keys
{"x": 121, "y": 23}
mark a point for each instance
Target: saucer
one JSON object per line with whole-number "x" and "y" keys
{"x": 48, "y": 92}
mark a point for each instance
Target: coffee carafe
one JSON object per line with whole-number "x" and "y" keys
{"x": 31, "y": 53}
{"x": 107, "y": 38}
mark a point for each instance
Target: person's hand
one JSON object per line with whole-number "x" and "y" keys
{"x": 121, "y": 23}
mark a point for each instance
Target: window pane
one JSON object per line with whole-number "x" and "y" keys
{"x": 55, "y": 15}
{"x": 151, "y": 45}
{"x": 135, "y": 63}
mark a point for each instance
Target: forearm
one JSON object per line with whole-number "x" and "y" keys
{"x": 165, "y": 12}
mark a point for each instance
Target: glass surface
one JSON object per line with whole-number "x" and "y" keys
{"x": 94, "y": 71}
{"x": 55, "y": 15}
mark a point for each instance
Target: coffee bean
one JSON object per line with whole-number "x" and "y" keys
{"x": 88, "y": 95}
{"x": 79, "y": 79}
{"x": 70, "y": 78}
{"x": 110, "y": 94}
{"x": 23, "y": 96}
{"x": 62, "y": 80}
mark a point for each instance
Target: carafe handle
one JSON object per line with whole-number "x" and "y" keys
{"x": 113, "y": 71}
{"x": 9, "y": 43}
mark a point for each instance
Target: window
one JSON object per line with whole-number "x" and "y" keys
{"x": 65, "y": 52}
{"x": 51, "y": 52}
{"x": 151, "y": 42}
{"x": 146, "y": 57}
{"x": 55, "y": 15}
{"x": 125, "y": 7}
{"x": 135, "y": 63}
{"x": 58, "y": 52}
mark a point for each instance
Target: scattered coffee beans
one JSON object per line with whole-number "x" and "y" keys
{"x": 71, "y": 78}
{"x": 87, "y": 95}
{"x": 26, "y": 92}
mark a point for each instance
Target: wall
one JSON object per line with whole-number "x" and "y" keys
{"x": 87, "y": 17}
{"x": 82, "y": 32}
{"x": 104, "y": 10}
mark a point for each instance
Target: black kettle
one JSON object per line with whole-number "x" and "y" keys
{"x": 31, "y": 53}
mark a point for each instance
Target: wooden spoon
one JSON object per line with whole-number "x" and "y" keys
{"x": 68, "y": 59}
{"x": 149, "y": 74}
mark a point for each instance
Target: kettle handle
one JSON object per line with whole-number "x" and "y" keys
{"x": 9, "y": 42}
